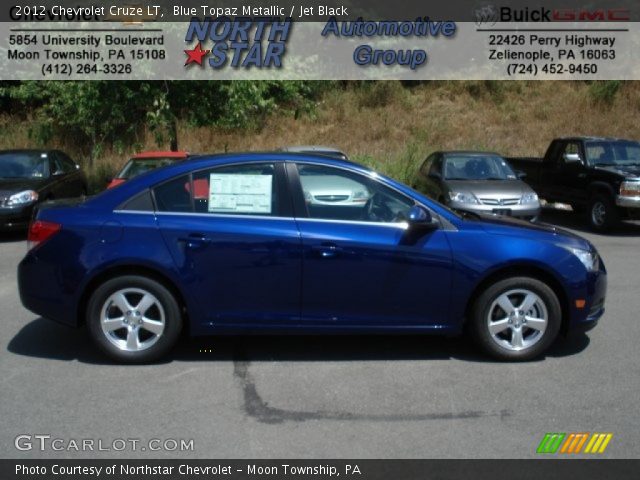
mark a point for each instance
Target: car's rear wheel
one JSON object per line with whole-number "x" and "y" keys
{"x": 516, "y": 319}
{"x": 134, "y": 319}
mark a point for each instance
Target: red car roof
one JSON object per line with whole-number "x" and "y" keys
{"x": 157, "y": 154}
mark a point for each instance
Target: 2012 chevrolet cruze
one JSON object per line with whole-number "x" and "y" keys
{"x": 229, "y": 244}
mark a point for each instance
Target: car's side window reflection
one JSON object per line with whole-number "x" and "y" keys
{"x": 335, "y": 194}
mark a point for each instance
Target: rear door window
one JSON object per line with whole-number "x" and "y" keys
{"x": 174, "y": 195}
{"x": 247, "y": 189}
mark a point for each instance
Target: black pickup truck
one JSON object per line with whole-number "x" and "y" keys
{"x": 596, "y": 176}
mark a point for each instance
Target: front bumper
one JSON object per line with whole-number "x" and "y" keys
{"x": 628, "y": 202}
{"x": 595, "y": 292}
{"x": 15, "y": 218}
{"x": 517, "y": 211}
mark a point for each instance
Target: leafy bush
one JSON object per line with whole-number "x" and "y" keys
{"x": 604, "y": 91}
{"x": 98, "y": 114}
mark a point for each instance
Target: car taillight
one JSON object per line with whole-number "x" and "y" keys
{"x": 40, "y": 231}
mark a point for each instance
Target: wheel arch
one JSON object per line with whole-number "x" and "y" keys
{"x": 600, "y": 188}
{"x": 524, "y": 270}
{"x": 121, "y": 270}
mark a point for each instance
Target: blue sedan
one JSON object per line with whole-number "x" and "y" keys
{"x": 295, "y": 243}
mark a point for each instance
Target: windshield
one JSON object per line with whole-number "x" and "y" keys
{"x": 477, "y": 167}
{"x": 618, "y": 153}
{"x": 24, "y": 165}
{"x": 138, "y": 166}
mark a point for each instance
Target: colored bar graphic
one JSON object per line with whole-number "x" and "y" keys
{"x": 573, "y": 443}
{"x": 598, "y": 443}
{"x": 550, "y": 442}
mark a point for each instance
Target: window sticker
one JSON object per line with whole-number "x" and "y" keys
{"x": 233, "y": 193}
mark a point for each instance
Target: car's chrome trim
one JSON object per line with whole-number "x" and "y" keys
{"x": 136, "y": 212}
{"x": 629, "y": 202}
{"x": 401, "y": 225}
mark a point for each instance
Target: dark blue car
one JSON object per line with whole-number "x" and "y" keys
{"x": 295, "y": 243}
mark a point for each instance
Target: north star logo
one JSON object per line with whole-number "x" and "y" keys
{"x": 242, "y": 43}
{"x": 195, "y": 55}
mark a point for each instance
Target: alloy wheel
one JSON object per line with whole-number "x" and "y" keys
{"x": 598, "y": 214}
{"x": 132, "y": 319}
{"x": 517, "y": 319}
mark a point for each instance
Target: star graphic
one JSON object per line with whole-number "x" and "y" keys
{"x": 196, "y": 54}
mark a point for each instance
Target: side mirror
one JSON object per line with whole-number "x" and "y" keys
{"x": 58, "y": 173}
{"x": 521, "y": 175}
{"x": 572, "y": 158}
{"x": 420, "y": 218}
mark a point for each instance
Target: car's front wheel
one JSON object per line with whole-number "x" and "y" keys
{"x": 516, "y": 319}
{"x": 603, "y": 214}
{"x": 134, "y": 319}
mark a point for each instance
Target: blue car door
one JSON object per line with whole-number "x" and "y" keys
{"x": 234, "y": 240}
{"x": 362, "y": 266}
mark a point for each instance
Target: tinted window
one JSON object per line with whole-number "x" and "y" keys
{"x": 248, "y": 189}
{"x": 141, "y": 202}
{"x": 55, "y": 165}
{"x": 609, "y": 153}
{"x": 436, "y": 166}
{"x": 174, "y": 195}
{"x": 24, "y": 165}
{"x": 336, "y": 194}
{"x": 66, "y": 163}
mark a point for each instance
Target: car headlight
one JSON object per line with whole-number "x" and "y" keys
{"x": 463, "y": 198}
{"x": 22, "y": 198}
{"x": 531, "y": 197}
{"x": 589, "y": 258}
{"x": 630, "y": 189}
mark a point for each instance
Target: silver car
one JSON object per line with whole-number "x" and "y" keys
{"x": 477, "y": 182}
{"x": 329, "y": 189}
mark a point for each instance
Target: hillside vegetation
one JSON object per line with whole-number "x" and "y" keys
{"x": 391, "y": 126}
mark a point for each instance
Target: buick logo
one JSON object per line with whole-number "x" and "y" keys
{"x": 486, "y": 15}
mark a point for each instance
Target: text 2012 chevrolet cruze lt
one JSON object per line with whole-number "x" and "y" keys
{"x": 232, "y": 243}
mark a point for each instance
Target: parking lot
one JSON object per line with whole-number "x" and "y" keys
{"x": 327, "y": 397}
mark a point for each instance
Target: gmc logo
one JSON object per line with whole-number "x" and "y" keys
{"x": 599, "y": 15}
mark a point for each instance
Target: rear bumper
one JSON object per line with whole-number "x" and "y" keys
{"x": 50, "y": 303}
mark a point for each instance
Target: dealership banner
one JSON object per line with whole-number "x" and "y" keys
{"x": 318, "y": 469}
{"x": 328, "y": 40}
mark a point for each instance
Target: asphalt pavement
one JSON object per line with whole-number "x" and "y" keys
{"x": 321, "y": 397}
